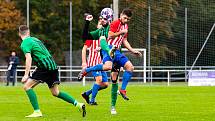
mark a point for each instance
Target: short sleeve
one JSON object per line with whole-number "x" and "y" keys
{"x": 88, "y": 43}
{"x": 26, "y": 47}
{"x": 114, "y": 26}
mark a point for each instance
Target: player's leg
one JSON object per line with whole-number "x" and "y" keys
{"x": 123, "y": 61}
{"x": 99, "y": 67}
{"x": 28, "y": 87}
{"x": 104, "y": 45}
{"x": 95, "y": 89}
{"x": 126, "y": 78}
{"x": 53, "y": 80}
{"x": 101, "y": 83}
{"x": 114, "y": 88}
{"x": 68, "y": 98}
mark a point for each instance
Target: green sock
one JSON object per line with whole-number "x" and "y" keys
{"x": 104, "y": 45}
{"x": 68, "y": 98}
{"x": 114, "y": 94}
{"x": 33, "y": 99}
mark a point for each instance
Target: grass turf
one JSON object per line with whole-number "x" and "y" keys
{"x": 147, "y": 103}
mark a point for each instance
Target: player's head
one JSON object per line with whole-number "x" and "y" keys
{"x": 24, "y": 31}
{"x": 99, "y": 25}
{"x": 13, "y": 53}
{"x": 125, "y": 16}
{"x": 107, "y": 16}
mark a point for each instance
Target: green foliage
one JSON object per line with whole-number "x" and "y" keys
{"x": 10, "y": 18}
{"x": 49, "y": 21}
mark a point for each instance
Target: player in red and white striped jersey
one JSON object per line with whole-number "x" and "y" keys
{"x": 117, "y": 27}
{"x": 94, "y": 58}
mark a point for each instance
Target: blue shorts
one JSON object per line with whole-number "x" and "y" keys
{"x": 100, "y": 73}
{"x": 119, "y": 59}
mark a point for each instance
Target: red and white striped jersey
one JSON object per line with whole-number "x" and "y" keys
{"x": 94, "y": 57}
{"x": 117, "y": 26}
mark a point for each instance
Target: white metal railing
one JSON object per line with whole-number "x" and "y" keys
{"x": 151, "y": 70}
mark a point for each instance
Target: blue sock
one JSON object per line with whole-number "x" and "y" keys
{"x": 89, "y": 92}
{"x": 126, "y": 77}
{"x": 98, "y": 67}
{"x": 94, "y": 92}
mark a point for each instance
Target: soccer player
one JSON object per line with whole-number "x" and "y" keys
{"x": 46, "y": 71}
{"x": 94, "y": 58}
{"x": 105, "y": 19}
{"x": 117, "y": 36}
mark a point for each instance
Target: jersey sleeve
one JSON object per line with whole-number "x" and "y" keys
{"x": 26, "y": 47}
{"x": 95, "y": 34}
{"x": 88, "y": 43}
{"x": 114, "y": 26}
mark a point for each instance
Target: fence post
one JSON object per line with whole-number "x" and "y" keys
{"x": 59, "y": 73}
{"x": 168, "y": 78}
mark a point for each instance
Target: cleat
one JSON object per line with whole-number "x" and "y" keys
{"x": 113, "y": 110}
{"x": 93, "y": 103}
{"x": 35, "y": 114}
{"x": 86, "y": 97}
{"x": 123, "y": 94}
{"x": 112, "y": 51}
{"x": 82, "y": 74}
{"x": 82, "y": 108}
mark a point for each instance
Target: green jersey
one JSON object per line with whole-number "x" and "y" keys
{"x": 100, "y": 32}
{"x": 39, "y": 53}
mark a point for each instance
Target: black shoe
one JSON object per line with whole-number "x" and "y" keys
{"x": 84, "y": 111}
{"x": 93, "y": 103}
{"x": 82, "y": 74}
{"x": 86, "y": 97}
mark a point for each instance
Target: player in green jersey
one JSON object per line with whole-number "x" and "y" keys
{"x": 101, "y": 33}
{"x": 46, "y": 71}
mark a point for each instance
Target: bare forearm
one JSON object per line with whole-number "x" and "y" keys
{"x": 28, "y": 65}
{"x": 84, "y": 55}
{"x": 128, "y": 46}
{"x": 113, "y": 35}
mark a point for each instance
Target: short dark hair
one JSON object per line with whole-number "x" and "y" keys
{"x": 127, "y": 11}
{"x": 23, "y": 29}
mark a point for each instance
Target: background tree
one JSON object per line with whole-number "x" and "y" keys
{"x": 49, "y": 21}
{"x": 10, "y": 18}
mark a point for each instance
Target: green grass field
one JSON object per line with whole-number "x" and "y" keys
{"x": 147, "y": 103}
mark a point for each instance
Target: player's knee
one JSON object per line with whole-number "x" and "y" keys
{"x": 130, "y": 68}
{"x": 25, "y": 87}
{"x": 114, "y": 81}
{"x": 105, "y": 85}
{"x": 109, "y": 67}
{"x": 55, "y": 93}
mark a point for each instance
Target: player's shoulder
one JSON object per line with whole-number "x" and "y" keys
{"x": 88, "y": 43}
{"x": 115, "y": 22}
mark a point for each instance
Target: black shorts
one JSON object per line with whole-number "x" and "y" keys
{"x": 115, "y": 68}
{"x": 49, "y": 76}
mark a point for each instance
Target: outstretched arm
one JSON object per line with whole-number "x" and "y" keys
{"x": 86, "y": 35}
{"x": 128, "y": 46}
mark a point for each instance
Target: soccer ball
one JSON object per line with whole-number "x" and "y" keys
{"x": 107, "y": 13}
